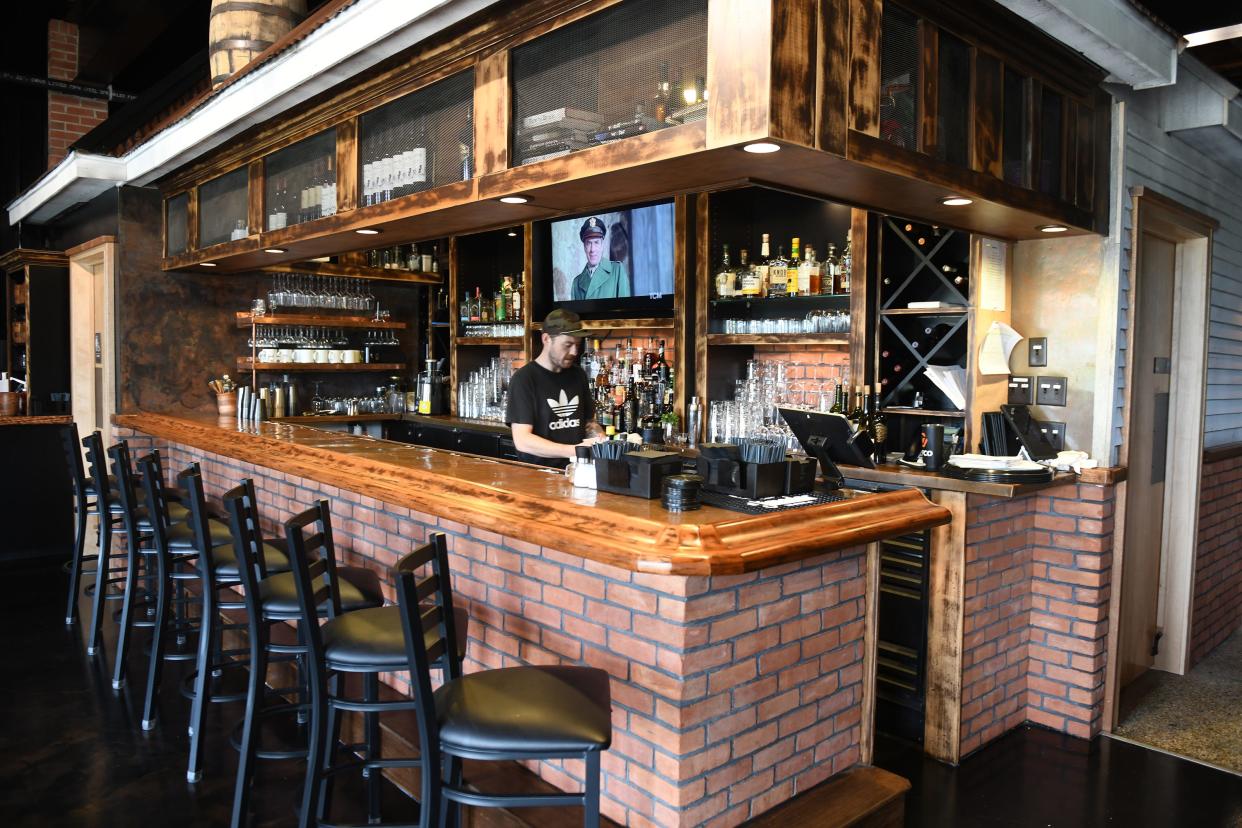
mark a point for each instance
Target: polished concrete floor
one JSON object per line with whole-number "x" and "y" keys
{"x": 72, "y": 754}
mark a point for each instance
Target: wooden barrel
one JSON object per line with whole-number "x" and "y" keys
{"x": 240, "y": 29}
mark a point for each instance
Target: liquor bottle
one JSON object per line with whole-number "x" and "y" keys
{"x": 778, "y": 274}
{"x": 831, "y": 271}
{"x": 601, "y": 373}
{"x": 618, "y": 367}
{"x": 791, "y": 267}
{"x": 435, "y": 258}
{"x": 476, "y": 307}
{"x": 808, "y": 286}
{"x": 629, "y": 358}
{"x": 649, "y": 358}
{"x": 743, "y": 267}
{"x": 660, "y": 366}
{"x": 631, "y": 408}
{"x": 420, "y": 161}
{"x": 763, "y": 267}
{"x": 879, "y": 428}
{"x": 498, "y": 306}
{"x": 847, "y": 263}
{"x": 724, "y": 275}
{"x": 516, "y": 298}
{"x": 463, "y": 313}
{"x": 856, "y": 411}
{"x": 865, "y": 420}
{"x": 328, "y": 190}
{"x": 465, "y": 148}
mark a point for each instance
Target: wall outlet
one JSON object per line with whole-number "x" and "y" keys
{"x": 1054, "y": 433}
{"x": 1021, "y": 390}
{"x": 1037, "y": 351}
{"x": 1051, "y": 390}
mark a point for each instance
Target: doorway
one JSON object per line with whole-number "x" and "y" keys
{"x": 92, "y": 368}
{"x": 1162, "y": 448}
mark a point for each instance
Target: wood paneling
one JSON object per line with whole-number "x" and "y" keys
{"x": 739, "y": 70}
{"x": 943, "y": 704}
{"x": 794, "y": 68}
{"x": 864, "y": 103}
{"x": 929, "y": 85}
{"x": 866, "y": 747}
{"x": 526, "y": 503}
{"x": 860, "y": 251}
{"x": 491, "y": 114}
{"x": 832, "y": 75}
{"x": 680, "y": 312}
{"x": 703, "y": 292}
{"x": 347, "y": 165}
{"x": 255, "y": 203}
{"x": 191, "y": 217}
{"x": 988, "y": 110}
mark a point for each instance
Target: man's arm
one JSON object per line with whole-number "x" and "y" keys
{"x": 527, "y": 441}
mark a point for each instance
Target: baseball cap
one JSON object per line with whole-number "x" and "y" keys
{"x": 562, "y": 322}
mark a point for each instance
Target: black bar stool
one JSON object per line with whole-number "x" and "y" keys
{"x": 218, "y": 568}
{"x": 85, "y": 505}
{"x": 272, "y": 598}
{"x": 110, "y": 523}
{"x": 541, "y": 712}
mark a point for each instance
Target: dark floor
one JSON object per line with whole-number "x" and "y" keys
{"x": 72, "y": 754}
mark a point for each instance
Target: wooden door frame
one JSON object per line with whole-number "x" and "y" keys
{"x": 1192, "y": 233}
{"x": 95, "y": 259}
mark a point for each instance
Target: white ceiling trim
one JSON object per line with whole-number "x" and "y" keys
{"x": 360, "y": 36}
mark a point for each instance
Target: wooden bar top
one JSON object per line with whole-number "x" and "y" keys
{"x": 540, "y": 506}
{"x": 37, "y": 419}
{"x": 902, "y": 476}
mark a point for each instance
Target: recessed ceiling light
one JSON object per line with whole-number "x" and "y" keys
{"x": 513, "y": 199}
{"x": 207, "y": 264}
{"x": 956, "y": 201}
{"x": 512, "y": 234}
{"x": 1052, "y": 228}
{"x": 274, "y": 250}
{"x": 367, "y": 231}
{"x": 761, "y": 147}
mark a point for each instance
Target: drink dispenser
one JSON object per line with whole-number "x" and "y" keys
{"x": 432, "y": 390}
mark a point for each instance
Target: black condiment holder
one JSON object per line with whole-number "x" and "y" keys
{"x": 728, "y": 475}
{"x": 637, "y": 473}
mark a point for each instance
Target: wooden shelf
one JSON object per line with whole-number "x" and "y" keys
{"x": 515, "y": 341}
{"x": 379, "y": 274}
{"x": 779, "y": 339}
{"x": 923, "y": 412}
{"x": 244, "y": 364}
{"x": 956, "y": 311}
{"x": 244, "y": 320}
{"x": 615, "y": 324}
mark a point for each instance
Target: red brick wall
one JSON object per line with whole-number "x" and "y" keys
{"x": 1036, "y": 612}
{"x": 69, "y": 117}
{"x": 1218, "y": 566}
{"x": 730, "y": 694}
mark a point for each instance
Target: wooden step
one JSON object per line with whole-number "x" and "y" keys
{"x": 861, "y": 797}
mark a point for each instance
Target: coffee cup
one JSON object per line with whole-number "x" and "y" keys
{"x": 320, "y": 355}
{"x": 268, "y": 355}
{"x": 336, "y": 356}
{"x": 303, "y": 355}
{"x": 284, "y": 355}
{"x": 933, "y": 446}
{"x": 353, "y": 356}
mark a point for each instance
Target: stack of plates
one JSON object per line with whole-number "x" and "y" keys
{"x": 1040, "y": 475}
{"x": 680, "y": 492}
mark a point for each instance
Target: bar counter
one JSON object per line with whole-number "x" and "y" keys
{"x": 741, "y": 649}
{"x": 539, "y": 505}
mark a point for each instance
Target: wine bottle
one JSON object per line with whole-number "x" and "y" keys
{"x": 879, "y": 428}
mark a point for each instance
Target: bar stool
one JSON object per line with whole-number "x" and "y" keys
{"x": 270, "y": 599}
{"x": 537, "y": 712}
{"x": 83, "y": 508}
{"x": 218, "y": 568}
{"x": 110, "y": 523}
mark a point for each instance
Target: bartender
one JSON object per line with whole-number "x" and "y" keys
{"x": 551, "y": 409}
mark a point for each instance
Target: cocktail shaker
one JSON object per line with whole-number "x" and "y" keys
{"x": 694, "y": 421}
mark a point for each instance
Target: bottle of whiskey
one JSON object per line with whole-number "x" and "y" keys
{"x": 806, "y": 285}
{"x": 763, "y": 267}
{"x": 792, "y": 266}
{"x": 660, "y": 367}
{"x": 517, "y": 297}
{"x": 846, "y": 262}
{"x": 831, "y": 271}
{"x": 724, "y": 275}
{"x": 778, "y": 274}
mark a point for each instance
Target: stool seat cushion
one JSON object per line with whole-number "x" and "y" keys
{"x": 181, "y": 537}
{"x": 373, "y": 639}
{"x": 225, "y": 559}
{"x": 359, "y": 586}
{"x": 526, "y": 710}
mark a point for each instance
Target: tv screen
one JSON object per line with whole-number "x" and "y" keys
{"x": 613, "y": 260}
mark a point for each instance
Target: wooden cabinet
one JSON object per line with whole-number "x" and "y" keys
{"x": 36, "y": 341}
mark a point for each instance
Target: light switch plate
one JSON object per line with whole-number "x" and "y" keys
{"x": 1054, "y": 433}
{"x": 1037, "y": 351}
{"x": 1021, "y": 390}
{"x": 1051, "y": 390}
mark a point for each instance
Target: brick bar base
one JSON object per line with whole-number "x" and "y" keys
{"x": 1036, "y": 612}
{"x": 731, "y": 694}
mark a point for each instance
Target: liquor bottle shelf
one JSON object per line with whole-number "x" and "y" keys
{"x": 245, "y": 320}
{"x": 244, "y": 364}
{"x": 779, "y": 339}
{"x": 515, "y": 341}
{"x": 775, "y": 301}
{"x": 619, "y": 324}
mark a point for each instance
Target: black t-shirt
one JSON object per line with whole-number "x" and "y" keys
{"x": 558, "y": 405}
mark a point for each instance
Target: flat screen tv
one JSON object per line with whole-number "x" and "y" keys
{"x": 608, "y": 263}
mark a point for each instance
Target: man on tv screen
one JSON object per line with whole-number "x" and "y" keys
{"x": 601, "y": 278}
{"x": 551, "y": 409}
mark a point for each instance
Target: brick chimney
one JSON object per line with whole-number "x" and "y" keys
{"x": 69, "y": 117}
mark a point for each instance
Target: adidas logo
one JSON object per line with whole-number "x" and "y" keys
{"x": 565, "y": 407}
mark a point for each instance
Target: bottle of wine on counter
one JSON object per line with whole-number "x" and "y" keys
{"x": 856, "y": 412}
{"x": 838, "y": 395}
{"x": 865, "y": 419}
{"x": 879, "y": 428}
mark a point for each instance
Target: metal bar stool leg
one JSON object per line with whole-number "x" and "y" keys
{"x": 255, "y": 688}
{"x": 101, "y": 583}
{"x": 316, "y": 744}
{"x": 155, "y": 668}
{"x": 202, "y": 681}
{"x": 371, "y": 727}
{"x": 331, "y": 747}
{"x": 127, "y": 605}
{"x": 450, "y": 812}
{"x": 75, "y": 566}
{"x": 590, "y": 794}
